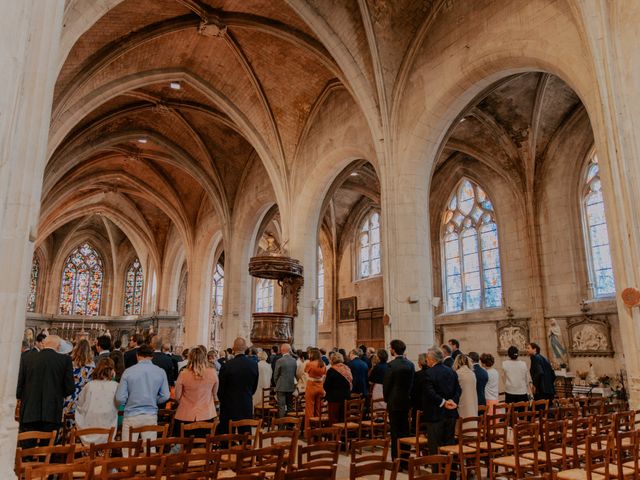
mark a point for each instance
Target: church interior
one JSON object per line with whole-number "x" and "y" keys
{"x": 325, "y": 173}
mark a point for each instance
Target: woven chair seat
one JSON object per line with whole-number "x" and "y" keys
{"x": 577, "y": 474}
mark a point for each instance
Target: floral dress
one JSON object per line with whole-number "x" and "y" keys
{"x": 81, "y": 375}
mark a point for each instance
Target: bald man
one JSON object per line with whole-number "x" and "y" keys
{"x": 285, "y": 378}
{"x": 44, "y": 381}
{"x": 238, "y": 382}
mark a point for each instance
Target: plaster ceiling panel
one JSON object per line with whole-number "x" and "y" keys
{"x": 558, "y": 103}
{"x": 512, "y": 103}
{"x": 395, "y": 24}
{"x": 290, "y": 100}
{"x": 229, "y": 150}
{"x": 210, "y": 59}
{"x": 157, "y": 220}
{"x": 274, "y": 9}
{"x": 344, "y": 201}
{"x": 188, "y": 189}
{"x": 129, "y": 16}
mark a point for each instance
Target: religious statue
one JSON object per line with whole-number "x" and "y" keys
{"x": 590, "y": 338}
{"x": 592, "y": 378}
{"x": 558, "y": 349}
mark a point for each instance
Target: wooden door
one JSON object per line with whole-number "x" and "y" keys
{"x": 371, "y": 327}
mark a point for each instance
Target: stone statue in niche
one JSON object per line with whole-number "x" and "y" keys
{"x": 590, "y": 338}
{"x": 556, "y": 342}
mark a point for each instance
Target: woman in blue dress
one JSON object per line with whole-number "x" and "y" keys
{"x": 82, "y": 359}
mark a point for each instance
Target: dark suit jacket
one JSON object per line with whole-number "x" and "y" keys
{"x": 482, "y": 378}
{"x": 397, "y": 385}
{"x": 44, "y": 381}
{"x": 441, "y": 383}
{"x": 166, "y": 363}
{"x": 542, "y": 375}
{"x": 336, "y": 387}
{"x": 448, "y": 362}
{"x": 360, "y": 373}
{"x": 238, "y": 382}
{"x": 418, "y": 387}
{"x": 130, "y": 357}
{"x": 455, "y": 353}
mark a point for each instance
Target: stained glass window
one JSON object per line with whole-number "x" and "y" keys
{"x": 320, "y": 309}
{"x": 369, "y": 246}
{"x": 597, "y": 237}
{"x": 134, "y": 283}
{"x": 217, "y": 290}
{"x": 471, "y": 256}
{"x": 33, "y": 289}
{"x": 264, "y": 295}
{"x": 81, "y": 282}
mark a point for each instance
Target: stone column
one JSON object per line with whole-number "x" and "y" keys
{"x": 29, "y": 39}
{"x": 612, "y": 32}
{"x": 407, "y": 257}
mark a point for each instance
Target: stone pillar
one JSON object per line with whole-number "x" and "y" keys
{"x": 407, "y": 257}
{"x": 611, "y": 30}
{"x": 29, "y": 39}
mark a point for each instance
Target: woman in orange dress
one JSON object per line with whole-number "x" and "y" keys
{"x": 315, "y": 370}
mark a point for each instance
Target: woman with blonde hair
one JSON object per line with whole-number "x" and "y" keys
{"x": 96, "y": 403}
{"x": 468, "y": 404}
{"x": 82, "y": 359}
{"x": 196, "y": 389}
{"x": 264, "y": 377}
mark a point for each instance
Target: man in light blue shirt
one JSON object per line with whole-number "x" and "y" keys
{"x": 142, "y": 387}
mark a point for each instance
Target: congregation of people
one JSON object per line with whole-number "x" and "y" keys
{"x": 87, "y": 386}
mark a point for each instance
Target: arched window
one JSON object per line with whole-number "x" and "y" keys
{"x": 471, "y": 260}
{"x": 320, "y": 309}
{"x": 81, "y": 282}
{"x": 264, "y": 295}
{"x": 597, "y": 236}
{"x": 217, "y": 290}
{"x": 133, "y": 289}
{"x": 369, "y": 246}
{"x": 33, "y": 288}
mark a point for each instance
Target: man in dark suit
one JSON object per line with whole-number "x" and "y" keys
{"x": 482, "y": 377}
{"x": 455, "y": 349}
{"x": 163, "y": 361}
{"x": 285, "y": 380}
{"x": 103, "y": 347}
{"x": 238, "y": 382}
{"x": 44, "y": 381}
{"x": 447, "y": 359}
{"x": 359, "y": 372}
{"x": 542, "y": 375}
{"x": 131, "y": 355}
{"x": 440, "y": 401}
{"x": 396, "y": 390}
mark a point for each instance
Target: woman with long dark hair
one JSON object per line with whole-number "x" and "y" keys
{"x": 96, "y": 403}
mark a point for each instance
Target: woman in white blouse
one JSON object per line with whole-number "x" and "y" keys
{"x": 516, "y": 377}
{"x": 264, "y": 377}
{"x": 96, "y": 403}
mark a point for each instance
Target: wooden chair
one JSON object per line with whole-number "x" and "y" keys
{"x": 364, "y": 451}
{"x": 133, "y": 467}
{"x": 64, "y": 471}
{"x": 199, "y": 431}
{"x": 553, "y": 457}
{"x": 377, "y": 426}
{"x": 267, "y": 409}
{"x": 287, "y": 440}
{"x": 319, "y": 454}
{"x": 415, "y": 444}
{"x": 36, "y": 439}
{"x": 580, "y": 428}
{"x": 494, "y": 442}
{"x": 329, "y": 434}
{"x": 602, "y": 424}
{"x": 440, "y": 467}
{"x": 298, "y": 411}
{"x": 633, "y": 461}
{"x": 165, "y": 446}
{"x": 598, "y": 457}
{"x": 288, "y": 423}
{"x": 313, "y": 473}
{"x": 625, "y": 455}
{"x": 323, "y": 420}
{"x": 38, "y": 456}
{"x": 160, "y": 431}
{"x": 107, "y": 450}
{"x": 469, "y": 435}
{"x": 624, "y": 421}
{"x": 192, "y": 466}
{"x": 353, "y": 411}
{"x": 82, "y": 447}
{"x": 516, "y": 465}
{"x": 227, "y": 445}
{"x": 369, "y": 469}
{"x": 593, "y": 406}
{"x": 166, "y": 416}
{"x": 236, "y": 425}
{"x": 267, "y": 461}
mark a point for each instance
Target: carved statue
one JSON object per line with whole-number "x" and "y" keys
{"x": 512, "y": 336}
{"x": 558, "y": 349}
{"x": 590, "y": 338}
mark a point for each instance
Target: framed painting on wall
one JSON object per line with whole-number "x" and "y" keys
{"x": 347, "y": 308}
